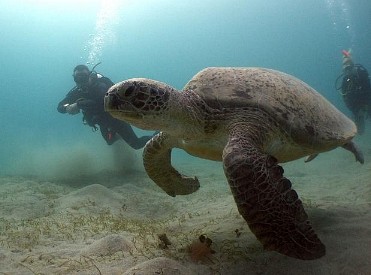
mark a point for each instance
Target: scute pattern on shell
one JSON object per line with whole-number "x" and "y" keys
{"x": 301, "y": 111}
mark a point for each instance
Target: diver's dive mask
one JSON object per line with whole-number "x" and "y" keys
{"x": 81, "y": 78}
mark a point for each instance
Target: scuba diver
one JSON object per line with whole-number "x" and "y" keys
{"x": 88, "y": 96}
{"x": 355, "y": 90}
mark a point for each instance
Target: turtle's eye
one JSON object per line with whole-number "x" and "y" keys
{"x": 142, "y": 96}
{"x": 153, "y": 92}
{"x": 129, "y": 91}
{"x": 140, "y": 104}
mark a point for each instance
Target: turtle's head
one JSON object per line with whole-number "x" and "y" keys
{"x": 139, "y": 101}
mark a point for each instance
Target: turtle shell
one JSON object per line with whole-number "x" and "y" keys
{"x": 300, "y": 110}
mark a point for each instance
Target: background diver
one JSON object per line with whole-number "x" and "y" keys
{"x": 355, "y": 90}
{"x": 88, "y": 96}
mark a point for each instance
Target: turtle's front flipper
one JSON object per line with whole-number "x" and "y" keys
{"x": 266, "y": 201}
{"x": 157, "y": 162}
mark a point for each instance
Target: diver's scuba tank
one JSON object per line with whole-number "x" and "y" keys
{"x": 348, "y": 64}
{"x": 93, "y": 76}
{"x": 348, "y": 69}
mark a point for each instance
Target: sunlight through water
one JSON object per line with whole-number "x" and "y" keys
{"x": 107, "y": 19}
{"x": 340, "y": 18}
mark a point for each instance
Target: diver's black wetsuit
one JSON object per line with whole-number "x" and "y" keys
{"x": 90, "y": 100}
{"x": 356, "y": 92}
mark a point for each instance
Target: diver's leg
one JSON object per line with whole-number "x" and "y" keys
{"x": 109, "y": 136}
{"x": 359, "y": 118}
{"x": 127, "y": 133}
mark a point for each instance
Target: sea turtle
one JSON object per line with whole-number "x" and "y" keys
{"x": 251, "y": 119}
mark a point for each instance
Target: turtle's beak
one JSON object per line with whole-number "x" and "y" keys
{"x": 119, "y": 108}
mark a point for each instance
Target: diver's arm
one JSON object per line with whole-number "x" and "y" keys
{"x": 70, "y": 98}
{"x": 62, "y": 106}
{"x": 86, "y": 104}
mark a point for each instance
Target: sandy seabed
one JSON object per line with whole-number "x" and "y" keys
{"x": 110, "y": 222}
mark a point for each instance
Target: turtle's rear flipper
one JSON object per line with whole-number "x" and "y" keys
{"x": 352, "y": 147}
{"x": 266, "y": 201}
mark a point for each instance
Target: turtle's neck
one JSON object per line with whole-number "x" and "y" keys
{"x": 186, "y": 112}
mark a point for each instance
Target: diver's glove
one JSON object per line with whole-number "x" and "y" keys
{"x": 72, "y": 109}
